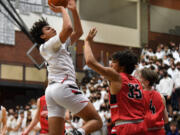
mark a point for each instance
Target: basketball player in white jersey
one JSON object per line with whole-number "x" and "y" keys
{"x": 3, "y": 120}
{"x": 62, "y": 92}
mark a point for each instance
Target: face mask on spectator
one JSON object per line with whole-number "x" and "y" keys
{"x": 16, "y": 116}
{"x": 94, "y": 98}
{"x": 105, "y": 100}
{"x": 34, "y": 106}
{"x": 102, "y": 108}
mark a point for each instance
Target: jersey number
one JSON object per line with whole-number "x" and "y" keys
{"x": 134, "y": 92}
{"x": 152, "y": 108}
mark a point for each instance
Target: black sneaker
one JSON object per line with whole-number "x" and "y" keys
{"x": 74, "y": 132}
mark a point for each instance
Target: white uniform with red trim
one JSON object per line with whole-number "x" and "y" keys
{"x": 62, "y": 92}
{"x": 60, "y": 64}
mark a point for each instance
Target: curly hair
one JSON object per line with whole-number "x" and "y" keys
{"x": 127, "y": 59}
{"x": 36, "y": 30}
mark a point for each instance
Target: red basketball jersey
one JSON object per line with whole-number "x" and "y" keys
{"x": 129, "y": 103}
{"x": 43, "y": 120}
{"x": 154, "y": 111}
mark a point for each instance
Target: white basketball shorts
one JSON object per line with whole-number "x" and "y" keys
{"x": 60, "y": 97}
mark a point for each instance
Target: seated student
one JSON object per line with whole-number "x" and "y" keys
{"x": 173, "y": 129}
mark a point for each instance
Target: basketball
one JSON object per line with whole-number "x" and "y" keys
{"x": 58, "y": 2}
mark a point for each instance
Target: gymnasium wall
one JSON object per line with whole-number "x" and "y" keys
{"x": 169, "y": 14}
{"x": 164, "y": 20}
{"x": 17, "y": 53}
{"x": 114, "y": 12}
{"x": 171, "y": 4}
{"x": 101, "y": 51}
{"x": 14, "y": 63}
{"x": 110, "y": 34}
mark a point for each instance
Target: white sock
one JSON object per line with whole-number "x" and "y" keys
{"x": 81, "y": 130}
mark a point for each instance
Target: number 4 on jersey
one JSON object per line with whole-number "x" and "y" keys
{"x": 152, "y": 107}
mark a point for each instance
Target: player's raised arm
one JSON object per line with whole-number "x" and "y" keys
{"x": 107, "y": 72}
{"x": 34, "y": 121}
{"x": 165, "y": 115}
{"x": 78, "y": 31}
{"x": 67, "y": 25}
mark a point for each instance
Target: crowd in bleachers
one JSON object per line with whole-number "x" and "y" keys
{"x": 19, "y": 118}
{"x": 165, "y": 60}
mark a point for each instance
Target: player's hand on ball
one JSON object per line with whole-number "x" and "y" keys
{"x": 71, "y": 5}
{"x": 91, "y": 35}
{"x": 56, "y": 9}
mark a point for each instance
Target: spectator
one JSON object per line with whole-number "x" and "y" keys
{"x": 176, "y": 79}
{"x": 14, "y": 125}
{"x": 172, "y": 70}
{"x": 173, "y": 129}
{"x": 165, "y": 87}
{"x": 166, "y": 50}
{"x": 159, "y": 53}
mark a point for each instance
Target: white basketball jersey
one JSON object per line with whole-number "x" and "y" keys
{"x": 59, "y": 64}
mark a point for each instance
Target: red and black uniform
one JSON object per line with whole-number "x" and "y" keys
{"x": 43, "y": 120}
{"x": 154, "y": 113}
{"x": 128, "y": 106}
